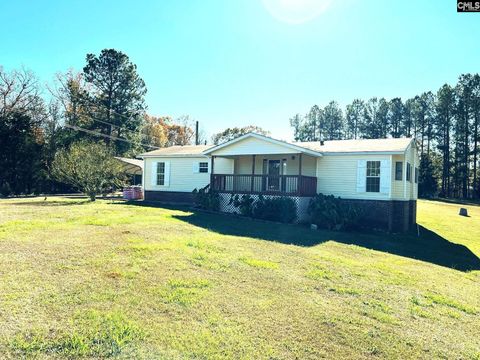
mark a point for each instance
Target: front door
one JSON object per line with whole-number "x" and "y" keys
{"x": 273, "y": 175}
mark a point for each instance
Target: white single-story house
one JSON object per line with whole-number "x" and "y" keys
{"x": 379, "y": 174}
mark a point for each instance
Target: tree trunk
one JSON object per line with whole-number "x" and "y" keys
{"x": 475, "y": 149}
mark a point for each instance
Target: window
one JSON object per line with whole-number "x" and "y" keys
{"x": 203, "y": 167}
{"x": 399, "y": 170}
{"x": 416, "y": 175}
{"x": 373, "y": 176}
{"x": 265, "y": 167}
{"x": 161, "y": 173}
{"x": 409, "y": 172}
{"x": 284, "y": 167}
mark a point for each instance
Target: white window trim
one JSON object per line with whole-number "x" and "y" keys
{"x": 196, "y": 167}
{"x": 395, "y": 171}
{"x": 386, "y": 169}
{"x": 379, "y": 177}
{"x": 166, "y": 174}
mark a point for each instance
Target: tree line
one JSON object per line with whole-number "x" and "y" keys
{"x": 446, "y": 124}
{"x": 102, "y": 104}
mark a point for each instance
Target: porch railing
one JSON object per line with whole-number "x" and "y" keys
{"x": 299, "y": 185}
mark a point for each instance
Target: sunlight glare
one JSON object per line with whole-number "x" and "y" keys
{"x": 296, "y": 11}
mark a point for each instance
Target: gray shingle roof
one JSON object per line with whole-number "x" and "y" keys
{"x": 329, "y": 147}
{"x": 360, "y": 145}
{"x": 177, "y": 150}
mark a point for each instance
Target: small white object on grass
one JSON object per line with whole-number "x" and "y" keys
{"x": 313, "y": 226}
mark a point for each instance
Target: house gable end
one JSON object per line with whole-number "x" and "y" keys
{"x": 252, "y": 144}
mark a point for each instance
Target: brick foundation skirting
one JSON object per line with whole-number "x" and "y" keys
{"x": 169, "y": 196}
{"x": 390, "y": 215}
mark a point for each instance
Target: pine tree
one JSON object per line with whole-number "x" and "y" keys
{"x": 445, "y": 108}
{"x": 333, "y": 121}
{"x": 395, "y": 117}
{"x": 354, "y": 119}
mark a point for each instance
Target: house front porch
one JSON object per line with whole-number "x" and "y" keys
{"x": 267, "y": 174}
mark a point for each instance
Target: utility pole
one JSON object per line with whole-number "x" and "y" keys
{"x": 196, "y": 133}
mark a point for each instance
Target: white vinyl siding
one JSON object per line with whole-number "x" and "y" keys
{"x": 345, "y": 176}
{"x": 182, "y": 178}
{"x": 397, "y": 185}
{"x": 253, "y": 146}
{"x": 406, "y": 190}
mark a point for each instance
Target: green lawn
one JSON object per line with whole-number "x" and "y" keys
{"x": 105, "y": 279}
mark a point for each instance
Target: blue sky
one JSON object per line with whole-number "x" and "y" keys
{"x": 235, "y": 63}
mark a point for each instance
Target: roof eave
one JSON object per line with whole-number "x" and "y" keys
{"x": 400, "y": 152}
{"x": 143, "y": 156}
{"x": 266, "y": 138}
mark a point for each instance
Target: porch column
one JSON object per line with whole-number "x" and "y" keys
{"x": 299, "y": 177}
{"x": 300, "y": 164}
{"x": 253, "y": 173}
{"x": 212, "y": 185}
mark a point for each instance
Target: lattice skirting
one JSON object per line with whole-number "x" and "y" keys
{"x": 300, "y": 202}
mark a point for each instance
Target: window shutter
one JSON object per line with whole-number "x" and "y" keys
{"x": 196, "y": 167}
{"x": 153, "y": 180}
{"x": 167, "y": 173}
{"x": 385, "y": 176}
{"x": 362, "y": 176}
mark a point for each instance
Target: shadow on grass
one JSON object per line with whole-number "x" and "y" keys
{"x": 50, "y": 203}
{"x": 429, "y": 247}
{"x": 49, "y": 200}
{"x": 455, "y": 201}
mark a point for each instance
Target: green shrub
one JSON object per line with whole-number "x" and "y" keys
{"x": 244, "y": 204}
{"x": 332, "y": 213}
{"x": 205, "y": 199}
{"x": 282, "y": 209}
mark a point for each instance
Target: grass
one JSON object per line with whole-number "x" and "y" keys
{"x": 116, "y": 280}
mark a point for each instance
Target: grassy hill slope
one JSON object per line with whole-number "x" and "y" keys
{"x": 110, "y": 279}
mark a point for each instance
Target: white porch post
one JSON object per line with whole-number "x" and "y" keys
{"x": 405, "y": 176}
{"x": 391, "y": 177}
{"x": 212, "y": 172}
{"x": 253, "y": 173}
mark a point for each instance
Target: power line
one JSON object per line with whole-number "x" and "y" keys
{"x": 118, "y": 126}
{"x": 110, "y": 110}
{"x": 117, "y": 113}
{"x": 77, "y": 128}
{"x": 93, "y": 103}
{"x": 125, "y": 130}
